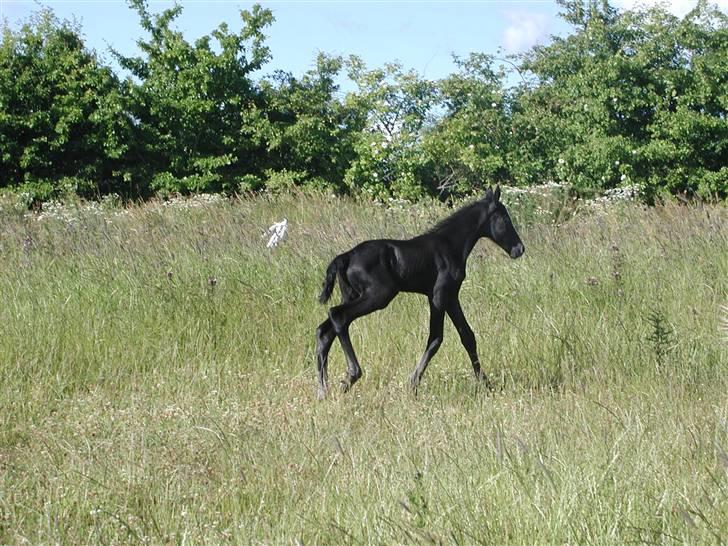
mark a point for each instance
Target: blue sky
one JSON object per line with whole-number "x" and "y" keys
{"x": 423, "y": 35}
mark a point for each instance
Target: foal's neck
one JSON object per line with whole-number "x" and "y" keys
{"x": 462, "y": 234}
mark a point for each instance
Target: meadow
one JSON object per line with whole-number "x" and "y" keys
{"x": 157, "y": 379}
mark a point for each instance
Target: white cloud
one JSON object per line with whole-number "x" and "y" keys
{"x": 676, "y": 7}
{"x": 525, "y": 31}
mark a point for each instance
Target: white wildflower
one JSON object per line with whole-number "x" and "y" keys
{"x": 561, "y": 161}
{"x": 493, "y": 105}
{"x": 625, "y": 193}
{"x": 542, "y": 190}
{"x": 278, "y": 231}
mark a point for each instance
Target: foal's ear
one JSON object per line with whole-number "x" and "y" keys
{"x": 491, "y": 195}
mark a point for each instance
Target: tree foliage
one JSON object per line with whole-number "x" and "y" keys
{"x": 62, "y": 113}
{"x": 200, "y": 116}
{"x": 312, "y": 132}
{"x": 469, "y": 144}
{"x": 627, "y": 98}
{"x": 388, "y": 153}
{"x": 638, "y": 97}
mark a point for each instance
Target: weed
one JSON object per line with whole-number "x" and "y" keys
{"x": 416, "y": 505}
{"x": 661, "y": 336}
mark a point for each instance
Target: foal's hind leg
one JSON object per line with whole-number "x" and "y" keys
{"x": 325, "y": 336}
{"x": 353, "y": 368}
{"x": 343, "y": 315}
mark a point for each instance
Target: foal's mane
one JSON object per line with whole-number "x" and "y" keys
{"x": 457, "y": 218}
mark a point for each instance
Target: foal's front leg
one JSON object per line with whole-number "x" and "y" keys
{"x": 437, "y": 319}
{"x": 467, "y": 338}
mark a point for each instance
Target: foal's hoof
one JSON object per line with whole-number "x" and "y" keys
{"x": 321, "y": 393}
{"x": 348, "y": 382}
{"x": 485, "y": 382}
{"x": 414, "y": 383}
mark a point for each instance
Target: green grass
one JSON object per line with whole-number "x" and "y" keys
{"x": 157, "y": 381}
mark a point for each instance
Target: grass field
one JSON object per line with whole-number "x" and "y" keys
{"x": 157, "y": 381}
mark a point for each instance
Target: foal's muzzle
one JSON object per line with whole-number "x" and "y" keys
{"x": 518, "y": 250}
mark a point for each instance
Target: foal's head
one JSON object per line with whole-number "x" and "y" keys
{"x": 498, "y": 226}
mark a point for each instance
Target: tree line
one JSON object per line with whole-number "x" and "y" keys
{"x": 633, "y": 98}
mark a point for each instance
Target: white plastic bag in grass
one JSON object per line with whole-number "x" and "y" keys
{"x": 278, "y": 231}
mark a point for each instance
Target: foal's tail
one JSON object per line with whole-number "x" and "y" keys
{"x": 336, "y": 264}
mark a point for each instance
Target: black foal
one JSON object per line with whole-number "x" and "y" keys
{"x": 372, "y": 273}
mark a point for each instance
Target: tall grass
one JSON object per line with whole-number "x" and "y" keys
{"x": 157, "y": 381}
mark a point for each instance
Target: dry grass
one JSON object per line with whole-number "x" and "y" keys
{"x": 142, "y": 402}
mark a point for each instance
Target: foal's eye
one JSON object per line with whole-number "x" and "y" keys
{"x": 500, "y": 224}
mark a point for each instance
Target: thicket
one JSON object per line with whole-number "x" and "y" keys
{"x": 635, "y": 98}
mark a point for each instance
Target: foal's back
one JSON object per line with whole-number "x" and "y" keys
{"x": 411, "y": 264}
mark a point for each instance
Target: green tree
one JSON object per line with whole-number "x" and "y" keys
{"x": 637, "y": 97}
{"x": 634, "y": 97}
{"x": 312, "y": 131}
{"x": 397, "y": 106}
{"x": 561, "y": 119}
{"x": 61, "y": 113}
{"x": 468, "y": 146}
{"x": 688, "y": 140}
{"x": 200, "y": 115}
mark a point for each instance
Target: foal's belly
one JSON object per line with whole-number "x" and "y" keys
{"x": 413, "y": 269}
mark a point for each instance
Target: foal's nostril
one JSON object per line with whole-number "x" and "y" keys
{"x": 518, "y": 250}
